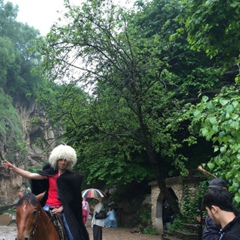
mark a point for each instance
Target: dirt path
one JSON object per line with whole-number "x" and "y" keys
{"x": 9, "y": 233}
{"x": 122, "y": 234}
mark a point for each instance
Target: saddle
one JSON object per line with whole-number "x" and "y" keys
{"x": 58, "y": 223}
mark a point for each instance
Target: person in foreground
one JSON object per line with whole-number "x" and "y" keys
{"x": 211, "y": 230}
{"x": 62, "y": 189}
{"x": 218, "y": 203}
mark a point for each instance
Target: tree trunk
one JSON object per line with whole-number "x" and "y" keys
{"x": 155, "y": 165}
{"x": 162, "y": 183}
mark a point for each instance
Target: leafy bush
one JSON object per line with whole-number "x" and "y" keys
{"x": 190, "y": 210}
{"x": 144, "y": 219}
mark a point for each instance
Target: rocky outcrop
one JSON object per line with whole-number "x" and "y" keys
{"x": 25, "y": 141}
{"x": 10, "y": 184}
{"x": 38, "y": 134}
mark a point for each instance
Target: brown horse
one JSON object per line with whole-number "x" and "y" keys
{"x": 32, "y": 221}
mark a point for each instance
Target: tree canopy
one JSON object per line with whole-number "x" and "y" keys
{"x": 213, "y": 26}
{"x": 16, "y": 61}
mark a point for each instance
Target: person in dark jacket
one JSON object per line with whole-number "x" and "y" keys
{"x": 62, "y": 189}
{"x": 167, "y": 215}
{"x": 211, "y": 230}
{"x": 218, "y": 203}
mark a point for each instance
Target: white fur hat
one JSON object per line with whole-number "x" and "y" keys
{"x": 63, "y": 152}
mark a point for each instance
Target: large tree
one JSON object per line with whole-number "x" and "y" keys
{"x": 130, "y": 79}
{"x": 138, "y": 85}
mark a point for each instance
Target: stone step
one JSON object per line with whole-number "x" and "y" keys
{"x": 185, "y": 235}
{"x": 180, "y": 235}
{"x": 193, "y": 228}
{"x": 167, "y": 236}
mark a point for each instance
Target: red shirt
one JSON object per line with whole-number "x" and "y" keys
{"x": 53, "y": 200}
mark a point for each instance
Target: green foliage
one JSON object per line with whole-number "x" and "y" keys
{"x": 16, "y": 61}
{"x": 101, "y": 158}
{"x": 177, "y": 224}
{"x": 7, "y": 113}
{"x": 217, "y": 120}
{"x": 10, "y": 126}
{"x": 193, "y": 203}
{"x": 11, "y": 211}
{"x": 36, "y": 169}
{"x": 191, "y": 206}
{"x": 7, "y": 58}
{"x": 213, "y": 26}
{"x": 144, "y": 220}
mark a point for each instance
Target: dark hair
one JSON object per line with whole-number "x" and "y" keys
{"x": 220, "y": 198}
{"x": 217, "y": 183}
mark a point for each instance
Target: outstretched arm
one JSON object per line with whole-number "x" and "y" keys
{"x": 21, "y": 172}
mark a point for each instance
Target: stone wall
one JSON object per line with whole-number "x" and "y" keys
{"x": 180, "y": 187}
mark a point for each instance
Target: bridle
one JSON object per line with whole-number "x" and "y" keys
{"x": 36, "y": 225}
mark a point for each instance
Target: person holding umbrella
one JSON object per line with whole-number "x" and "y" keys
{"x": 97, "y": 224}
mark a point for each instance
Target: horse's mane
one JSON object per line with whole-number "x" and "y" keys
{"x": 29, "y": 197}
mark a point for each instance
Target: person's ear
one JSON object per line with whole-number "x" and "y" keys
{"x": 214, "y": 209}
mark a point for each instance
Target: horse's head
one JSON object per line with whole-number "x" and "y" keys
{"x": 27, "y": 214}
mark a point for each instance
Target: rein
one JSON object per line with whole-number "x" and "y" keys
{"x": 36, "y": 225}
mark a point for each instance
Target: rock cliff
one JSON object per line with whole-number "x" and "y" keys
{"x": 26, "y": 140}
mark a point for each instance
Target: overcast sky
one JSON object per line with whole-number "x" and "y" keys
{"x": 42, "y": 14}
{"x": 39, "y": 14}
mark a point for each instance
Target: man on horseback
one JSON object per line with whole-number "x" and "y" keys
{"x": 62, "y": 189}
